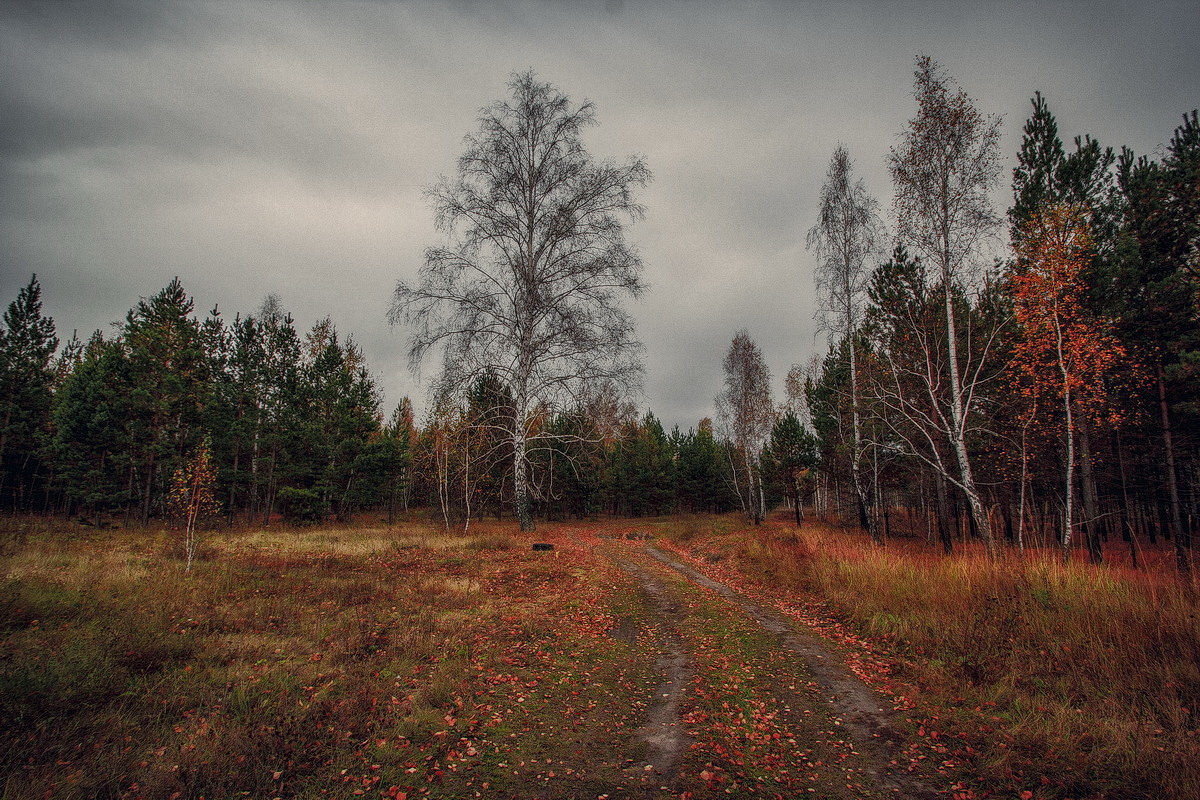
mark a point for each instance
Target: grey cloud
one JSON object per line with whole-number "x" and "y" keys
{"x": 283, "y": 146}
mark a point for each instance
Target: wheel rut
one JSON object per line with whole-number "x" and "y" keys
{"x": 857, "y": 707}
{"x": 663, "y": 734}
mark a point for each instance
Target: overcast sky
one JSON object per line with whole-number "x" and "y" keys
{"x": 257, "y": 147}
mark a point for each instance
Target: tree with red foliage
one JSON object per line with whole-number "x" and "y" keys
{"x": 1063, "y": 354}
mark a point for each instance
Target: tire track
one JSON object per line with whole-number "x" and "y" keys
{"x": 663, "y": 734}
{"x": 864, "y": 717}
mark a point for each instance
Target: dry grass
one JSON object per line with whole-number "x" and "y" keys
{"x": 1077, "y": 681}
{"x": 335, "y": 660}
{"x": 330, "y": 661}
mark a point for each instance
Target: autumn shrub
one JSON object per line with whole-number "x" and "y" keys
{"x": 688, "y": 529}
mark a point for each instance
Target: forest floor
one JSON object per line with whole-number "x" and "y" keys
{"x": 685, "y": 657}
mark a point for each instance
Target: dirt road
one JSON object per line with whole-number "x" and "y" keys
{"x": 749, "y": 703}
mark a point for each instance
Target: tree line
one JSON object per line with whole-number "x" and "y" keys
{"x": 293, "y": 426}
{"x": 99, "y": 428}
{"x": 1044, "y": 395}
{"x": 1033, "y": 382}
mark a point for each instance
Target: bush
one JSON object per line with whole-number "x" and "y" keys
{"x": 300, "y": 506}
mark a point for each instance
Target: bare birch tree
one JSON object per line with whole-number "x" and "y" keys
{"x": 530, "y": 283}
{"x": 847, "y": 234}
{"x": 747, "y": 414}
{"x": 943, "y": 169}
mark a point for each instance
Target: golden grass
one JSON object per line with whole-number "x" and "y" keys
{"x": 1079, "y": 680}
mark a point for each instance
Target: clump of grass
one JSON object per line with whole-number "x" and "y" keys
{"x": 688, "y": 529}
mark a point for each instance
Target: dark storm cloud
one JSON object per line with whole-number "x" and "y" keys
{"x": 283, "y": 147}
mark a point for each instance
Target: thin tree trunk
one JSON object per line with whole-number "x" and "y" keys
{"x": 1024, "y": 484}
{"x": 237, "y": 452}
{"x": 942, "y": 516}
{"x": 1091, "y": 502}
{"x": 866, "y": 516}
{"x": 755, "y": 506}
{"x": 149, "y": 486}
{"x": 733, "y": 472}
{"x": 958, "y": 415}
{"x": 1179, "y": 534}
{"x": 762, "y": 502}
{"x": 1069, "y": 501}
{"x": 128, "y": 495}
{"x": 4, "y": 445}
{"x": 269, "y": 496}
{"x": 192, "y": 513}
{"x": 467, "y": 481}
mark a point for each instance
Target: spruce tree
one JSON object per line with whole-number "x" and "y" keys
{"x": 169, "y": 389}
{"x": 27, "y": 345}
{"x": 788, "y": 458}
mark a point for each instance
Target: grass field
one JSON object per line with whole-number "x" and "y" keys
{"x": 331, "y": 662}
{"x": 404, "y": 662}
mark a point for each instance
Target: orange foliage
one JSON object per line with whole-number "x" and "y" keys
{"x": 1063, "y": 350}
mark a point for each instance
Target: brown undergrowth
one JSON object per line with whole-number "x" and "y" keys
{"x": 1030, "y": 678}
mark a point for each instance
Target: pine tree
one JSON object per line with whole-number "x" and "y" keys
{"x": 700, "y": 472}
{"x": 335, "y": 416}
{"x": 1039, "y": 164}
{"x": 168, "y": 389}
{"x": 787, "y": 461}
{"x": 27, "y": 345}
{"x": 267, "y": 368}
{"x": 647, "y": 466}
{"x": 220, "y": 413}
{"x": 389, "y": 460}
{"x": 1160, "y": 307}
{"x": 91, "y": 443}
